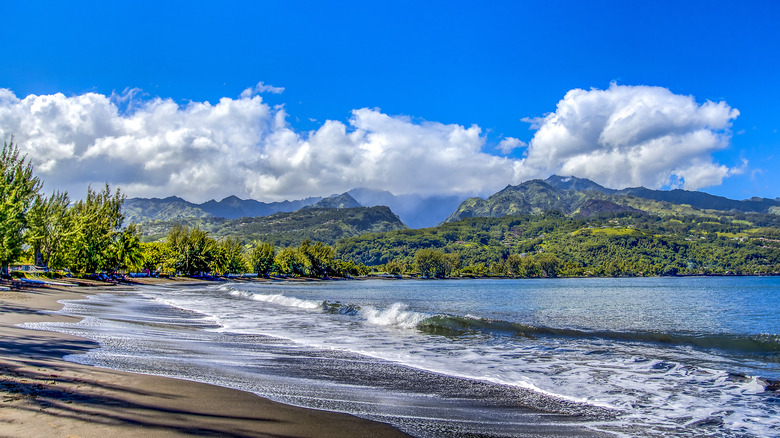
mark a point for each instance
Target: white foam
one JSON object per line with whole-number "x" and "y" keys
{"x": 396, "y": 315}
{"x": 280, "y": 299}
{"x": 665, "y": 387}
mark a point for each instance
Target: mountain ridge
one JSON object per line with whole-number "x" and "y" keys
{"x": 327, "y": 225}
{"x": 232, "y": 207}
{"x": 415, "y": 211}
{"x": 569, "y": 194}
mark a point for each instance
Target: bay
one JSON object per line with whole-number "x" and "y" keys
{"x": 694, "y": 356}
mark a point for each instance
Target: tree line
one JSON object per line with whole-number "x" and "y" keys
{"x": 89, "y": 236}
{"x": 191, "y": 251}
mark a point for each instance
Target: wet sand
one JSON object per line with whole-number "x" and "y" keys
{"x": 43, "y": 395}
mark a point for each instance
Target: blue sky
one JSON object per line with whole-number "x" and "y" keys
{"x": 407, "y": 96}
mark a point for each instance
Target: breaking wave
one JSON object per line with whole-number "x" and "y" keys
{"x": 398, "y": 315}
{"x": 449, "y": 325}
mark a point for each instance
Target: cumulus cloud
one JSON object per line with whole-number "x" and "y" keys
{"x": 156, "y": 147}
{"x": 240, "y": 146}
{"x": 631, "y": 136}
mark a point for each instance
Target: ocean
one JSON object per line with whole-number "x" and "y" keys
{"x": 694, "y": 356}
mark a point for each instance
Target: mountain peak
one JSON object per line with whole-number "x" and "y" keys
{"x": 572, "y": 195}
{"x": 574, "y": 183}
{"x": 344, "y": 200}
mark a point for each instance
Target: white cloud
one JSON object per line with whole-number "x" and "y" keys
{"x": 261, "y": 88}
{"x": 155, "y": 147}
{"x": 509, "y": 144}
{"x": 631, "y": 136}
{"x": 240, "y": 146}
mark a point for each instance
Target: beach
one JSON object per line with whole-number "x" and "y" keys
{"x": 498, "y": 358}
{"x": 44, "y": 395}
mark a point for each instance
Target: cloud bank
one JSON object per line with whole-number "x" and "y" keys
{"x": 621, "y": 136}
{"x": 631, "y": 136}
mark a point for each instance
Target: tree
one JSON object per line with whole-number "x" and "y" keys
{"x": 191, "y": 250}
{"x": 98, "y": 221}
{"x": 513, "y": 264}
{"x": 431, "y": 263}
{"x": 549, "y": 265}
{"x": 50, "y": 230}
{"x": 319, "y": 258}
{"x": 129, "y": 254}
{"x": 18, "y": 188}
{"x": 228, "y": 257}
{"x": 261, "y": 258}
{"x": 289, "y": 261}
{"x": 394, "y": 267}
{"x": 350, "y": 269}
{"x": 523, "y": 266}
{"x": 155, "y": 255}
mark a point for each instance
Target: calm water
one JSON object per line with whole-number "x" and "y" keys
{"x": 636, "y": 357}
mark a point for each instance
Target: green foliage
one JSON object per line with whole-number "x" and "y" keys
{"x": 261, "y": 258}
{"x": 551, "y": 244}
{"x": 18, "y": 189}
{"x": 129, "y": 254}
{"x": 289, "y": 261}
{"x": 327, "y": 225}
{"x": 313, "y": 260}
{"x": 432, "y": 263}
{"x": 394, "y": 267}
{"x": 155, "y": 256}
{"x": 350, "y": 269}
{"x": 228, "y": 257}
{"x": 191, "y": 251}
{"x": 97, "y": 225}
{"x": 51, "y": 230}
{"x": 319, "y": 258}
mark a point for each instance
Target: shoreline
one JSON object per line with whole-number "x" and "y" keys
{"x": 44, "y": 395}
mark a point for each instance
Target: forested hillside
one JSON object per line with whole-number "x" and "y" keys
{"x": 576, "y": 196}
{"x": 327, "y": 225}
{"x": 607, "y": 244}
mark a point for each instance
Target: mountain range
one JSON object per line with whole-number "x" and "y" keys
{"x": 327, "y": 225}
{"x": 569, "y": 195}
{"x": 140, "y": 210}
{"x": 578, "y": 196}
{"x": 414, "y": 210}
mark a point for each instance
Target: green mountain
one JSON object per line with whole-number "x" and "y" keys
{"x": 172, "y": 208}
{"x": 233, "y": 207}
{"x": 343, "y": 200}
{"x": 140, "y": 210}
{"x": 327, "y": 225}
{"x": 531, "y": 197}
{"x": 605, "y": 244}
{"x": 573, "y": 196}
{"x": 414, "y": 210}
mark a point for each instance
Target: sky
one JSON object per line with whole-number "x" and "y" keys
{"x": 283, "y": 100}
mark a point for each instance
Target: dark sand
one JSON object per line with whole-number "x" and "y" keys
{"x": 41, "y": 395}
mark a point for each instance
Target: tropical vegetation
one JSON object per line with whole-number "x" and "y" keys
{"x": 552, "y": 244}
{"x": 519, "y": 232}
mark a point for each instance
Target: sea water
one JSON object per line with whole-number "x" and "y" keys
{"x": 628, "y": 356}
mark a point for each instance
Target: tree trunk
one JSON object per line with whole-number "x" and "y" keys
{"x": 39, "y": 257}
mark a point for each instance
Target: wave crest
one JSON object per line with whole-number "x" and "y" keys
{"x": 281, "y": 299}
{"x": 449, "y": 325}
